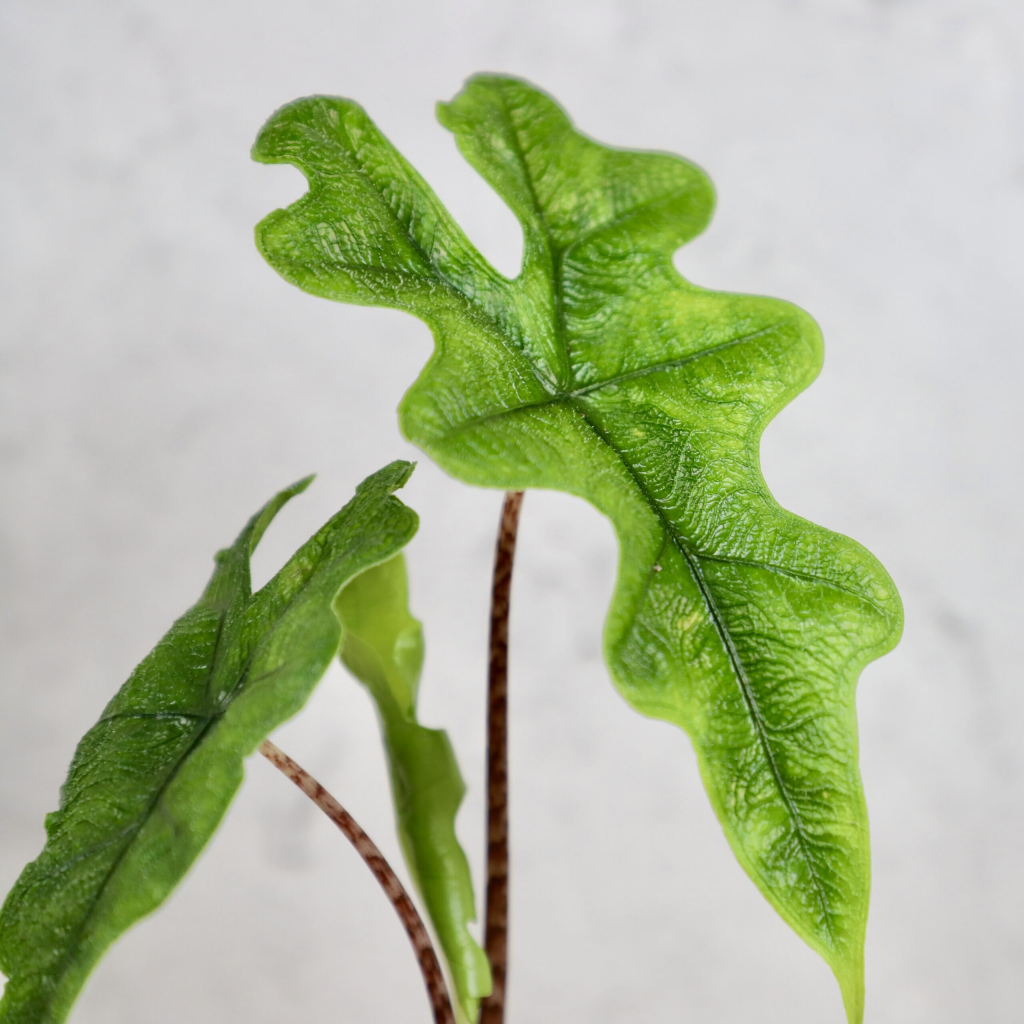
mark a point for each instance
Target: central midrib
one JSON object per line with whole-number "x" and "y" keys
{"x": 554, "y": 252}
{"x": 692, "y": 562}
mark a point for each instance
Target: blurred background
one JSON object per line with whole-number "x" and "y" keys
{"x": 159, "y": 382}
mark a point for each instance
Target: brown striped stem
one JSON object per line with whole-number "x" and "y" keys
{"x": 492, "y": 1010}
{"x": 433, "y": 977}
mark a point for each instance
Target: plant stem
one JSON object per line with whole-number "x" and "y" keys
{"x": 492, "y": 1010}
{"x": 437, "y": 991}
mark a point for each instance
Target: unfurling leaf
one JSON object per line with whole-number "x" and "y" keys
{"x": 150, "y": 782}
{"x": 601, "y": 372}
{"x": 383, "y": 649}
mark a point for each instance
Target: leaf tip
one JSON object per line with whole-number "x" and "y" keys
{"x": 263, "y": 150}
{"x": 851, "y": 985}
{"x": 267, "y": 147}
{"x": 392, "y": 477}
{"x": 266, "y": 515}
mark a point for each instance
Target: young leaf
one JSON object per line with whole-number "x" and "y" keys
{"x": 383, "y": 649}
{"x": 601, "y": 372}
{"x": 150, "y": 782}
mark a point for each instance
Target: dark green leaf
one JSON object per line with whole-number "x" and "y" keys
{"x": 150, "y": 782}
{"x": 383, "y": 648}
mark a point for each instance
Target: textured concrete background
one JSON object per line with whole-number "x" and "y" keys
{"x": 159, "y": 382}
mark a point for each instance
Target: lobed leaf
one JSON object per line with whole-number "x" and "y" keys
{"x": 383, "y": 648}
{"x": 150, "y": 782}
{"x": 600, "y": 371}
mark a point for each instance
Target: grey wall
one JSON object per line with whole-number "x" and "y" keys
{"x": 159, "y": 382}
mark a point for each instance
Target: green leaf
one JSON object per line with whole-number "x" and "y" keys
{"x": 150, "y": 782}
{"x": 383, "y": 649}
{"x": 601, "y": 372}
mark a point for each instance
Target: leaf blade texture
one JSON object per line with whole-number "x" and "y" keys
{"x": 601, "y": 372}
{"x": 383, "y": 649}
{"x": 150, "y": 782}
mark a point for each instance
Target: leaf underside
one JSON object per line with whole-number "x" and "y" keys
{"x": 383, "y": 649}
{"x": 150, "y": 782}
{"x": 601, "y": 372}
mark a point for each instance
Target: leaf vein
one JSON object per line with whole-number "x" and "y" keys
{"x": 743, "y": 681}
{"x": 672, "y": 364}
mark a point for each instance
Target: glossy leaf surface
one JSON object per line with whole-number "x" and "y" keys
{"x": 383, "y": 648}
{"x": 150, "y": 782}
{"x": 601, "y": 372}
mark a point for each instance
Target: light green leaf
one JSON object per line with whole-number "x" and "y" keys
{"x": 150, "y": 782}
{"x": 601, "y": 372}
{"x": 383, "y": 649}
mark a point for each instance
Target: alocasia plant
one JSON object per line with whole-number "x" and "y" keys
{"x": 598, "y": 371}
{"x": 601, "y": 372}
